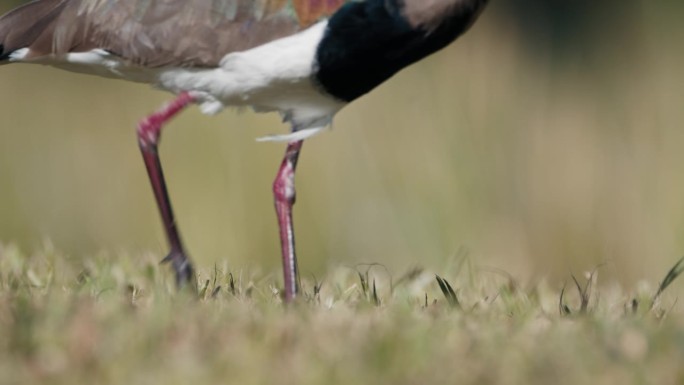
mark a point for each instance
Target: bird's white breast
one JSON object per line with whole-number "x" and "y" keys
{"x": 272, "y": 77}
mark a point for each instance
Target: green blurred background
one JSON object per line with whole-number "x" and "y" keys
{"x": 547, "y": 140}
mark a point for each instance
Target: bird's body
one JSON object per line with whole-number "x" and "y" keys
{"x": 226, "y": 52}
{"x": 306, "y": 59}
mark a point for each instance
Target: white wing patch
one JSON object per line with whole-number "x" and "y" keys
{"x": 18, "y": 55}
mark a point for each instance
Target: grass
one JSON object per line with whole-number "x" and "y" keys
{"x": 118, "y": 320}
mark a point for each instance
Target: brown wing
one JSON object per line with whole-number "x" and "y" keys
{"x": 156, "y": 33}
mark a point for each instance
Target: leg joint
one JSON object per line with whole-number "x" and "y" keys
{"x": 148, "y": 133}
{"x": 284, "y": 186}
{"x": 149, "y": 129}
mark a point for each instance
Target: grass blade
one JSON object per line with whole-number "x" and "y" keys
{"x": 232, "y": 284}
{"x": 674, "y": 272}
{"x": 563, "y": 309}
{"x": 448, "y": 291}
{"x": 376, "y": 299}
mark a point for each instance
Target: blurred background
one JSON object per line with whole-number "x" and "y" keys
{"x": 547, "y": 140}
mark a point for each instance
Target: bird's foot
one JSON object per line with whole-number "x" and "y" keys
{"x": 185, "y": 273}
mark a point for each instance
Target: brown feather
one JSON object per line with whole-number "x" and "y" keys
{"x": 310, "y": 11}
{"x": 157, "y": 33}
{"x": 429, "y": 14}
{"x": 22, "y": 26}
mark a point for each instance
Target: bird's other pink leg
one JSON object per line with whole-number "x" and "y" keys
{"x": 284, "y": 196}
{"x": 149, "y": 132}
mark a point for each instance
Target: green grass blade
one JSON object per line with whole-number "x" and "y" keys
{"x": 674, "y": 272}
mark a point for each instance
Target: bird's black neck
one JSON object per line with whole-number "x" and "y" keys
{"x": 368, "y": 42}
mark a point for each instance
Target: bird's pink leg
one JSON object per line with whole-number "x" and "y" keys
{"x": 149, "y": 132}
{"x": 284, "y": 196}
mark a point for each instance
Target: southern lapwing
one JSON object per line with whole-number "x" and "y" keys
{"x": 305, "y": 59}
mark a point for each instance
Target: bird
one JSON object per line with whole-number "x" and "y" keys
{"x": 304, "y": 59}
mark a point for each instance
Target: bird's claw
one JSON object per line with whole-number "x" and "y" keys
{"x": 185, "y": 273}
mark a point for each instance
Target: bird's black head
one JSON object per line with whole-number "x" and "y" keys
{"x": 369, "y": 41}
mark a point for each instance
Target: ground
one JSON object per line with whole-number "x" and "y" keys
{"x": 120, "y": 320}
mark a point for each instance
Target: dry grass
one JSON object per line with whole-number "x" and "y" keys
{"x": 106, "y": 322}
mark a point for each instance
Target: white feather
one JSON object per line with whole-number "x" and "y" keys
{"x": 18, "y": 55}
{"x": 295, "y": 136}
